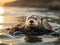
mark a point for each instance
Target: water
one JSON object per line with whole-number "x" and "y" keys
{"x": 14, "y": 15}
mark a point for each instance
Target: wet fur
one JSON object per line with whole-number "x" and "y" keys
{"x": 42, "y": 27}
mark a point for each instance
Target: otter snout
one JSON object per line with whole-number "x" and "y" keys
{"x": 31, "y": 21}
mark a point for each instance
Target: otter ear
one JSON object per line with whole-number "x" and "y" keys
{"x": 46, "y": 25}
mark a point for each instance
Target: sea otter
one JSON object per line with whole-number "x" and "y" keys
{"x": 33, "y": 25}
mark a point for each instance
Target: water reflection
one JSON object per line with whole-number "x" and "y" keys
{"x": 15, "y": 15}
{"x": 1, "y": 26}
{"x": 1, "y": 19}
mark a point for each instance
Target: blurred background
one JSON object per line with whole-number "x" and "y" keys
{"x": 15, "y": 11}
{"x": 50, "y": 4}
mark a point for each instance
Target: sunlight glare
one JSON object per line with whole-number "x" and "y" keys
{"x": 0, "y": 41}
{"x": 1, "y": 19}
{"x": 2, "y": 10}
{"x": 1, "y": 26}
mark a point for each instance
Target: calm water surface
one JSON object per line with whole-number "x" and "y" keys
{"x": 14, "y": 15}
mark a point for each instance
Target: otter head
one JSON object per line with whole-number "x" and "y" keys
{"x": 33, "y": 21}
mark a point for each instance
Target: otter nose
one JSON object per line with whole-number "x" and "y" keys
{"x": 31, "y": 21}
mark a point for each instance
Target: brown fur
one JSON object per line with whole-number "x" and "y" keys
{"x": 41, "y": 22}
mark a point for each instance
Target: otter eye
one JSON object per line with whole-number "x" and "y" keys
{"x": 35, "y": 18}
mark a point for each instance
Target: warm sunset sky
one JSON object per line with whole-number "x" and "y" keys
{"x": 2, "y": 2}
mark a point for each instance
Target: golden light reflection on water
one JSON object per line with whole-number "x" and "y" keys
{"x": 11, "y": 19}
{"x": 6, "y": 21}
{"x": 1, "y": 19}
{"x": 1, "y": 26}
{"x": 2, "y": 10}
{"x": 0, "y": 41}
{"x": 2, "y": 2}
